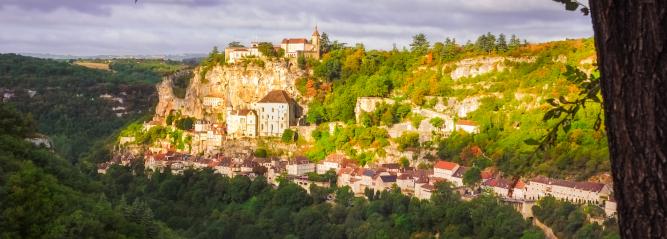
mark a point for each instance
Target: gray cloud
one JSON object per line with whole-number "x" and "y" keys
{"x": 87, "y": 27}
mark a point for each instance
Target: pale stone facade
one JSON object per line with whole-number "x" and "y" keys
{"x": 241, "y": 123}
{"x": 212, "y": 101}
{"x": 445, "y": 170}
{"x": 294, "y": 47}
{"x": 468, "y": 126}
{"x": 235, "y": 54}
{"x": 300, "y": 166}
{"x": 276, "y": 112}
{"x": 578, "y": 192}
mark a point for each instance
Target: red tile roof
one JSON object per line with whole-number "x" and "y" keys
{"x": 295, "y": 41}
{"x": 337, "y": 158}
{"x": 467, "y": 122}
{"x": 585, "y": 186}
{"x": 486, "y": 174}
{"x": 441, "y": 164}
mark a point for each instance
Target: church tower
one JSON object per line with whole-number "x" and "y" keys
{"x": 315, "y": 41}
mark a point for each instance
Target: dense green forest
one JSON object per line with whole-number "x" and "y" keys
{"x": 67, "y": 105}
{"x": 44, "y": 196}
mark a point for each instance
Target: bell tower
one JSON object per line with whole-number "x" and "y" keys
{"x": 315, "y": 41}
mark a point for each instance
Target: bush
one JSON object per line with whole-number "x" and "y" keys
{"x": 289, "y": 136}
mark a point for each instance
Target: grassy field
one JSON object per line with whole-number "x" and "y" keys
{"x": 93, "y": 65}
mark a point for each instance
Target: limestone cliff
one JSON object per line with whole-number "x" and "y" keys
{"x": 476, "y": 66}
{"x": 237, "y": 85}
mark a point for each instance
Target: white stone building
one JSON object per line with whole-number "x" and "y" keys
{"x": 468, "y": 126}
{"x": 577, "y": 192}
{"x": 212, "y": 101}
{"x": 333, "y": 161}
{"x": 276, "y": 112}
{"x": 445, "y": 169}
{"x": 241, "y": 123}
{"x": 234, "y": 54}
{"x": 300, "y": 166}
{"x": 501, "y": 186}
{"x": 294, "y": 47}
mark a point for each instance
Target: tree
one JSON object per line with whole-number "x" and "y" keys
{"x": 288, "y": 136}
{"x": 472, "y": 176}
{"x": 301, "y": 61}
{"x": 515, "y": 42}
{"x": 404, "y": 162}
{"x": 235, "y": 44}
{"x": 437, "y": 122}
{"x": 501, "y": 44}
{"x": 419, "y": 44}
{"x": 630, "y": 42}
{"x": 449, "y": 50}
{"x": 267, "y": 49}
{"x": 325, "y": 43}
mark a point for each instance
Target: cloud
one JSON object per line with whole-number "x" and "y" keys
{"x": 86, "y": 27}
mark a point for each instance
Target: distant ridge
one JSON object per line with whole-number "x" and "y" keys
{"x": 177, "y": 57}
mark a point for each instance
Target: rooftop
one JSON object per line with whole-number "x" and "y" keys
{"x": 467, "y": 122}
{"x": 441, "y": 164}
{"x": 276, "y": 96}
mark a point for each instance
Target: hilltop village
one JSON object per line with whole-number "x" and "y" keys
{"x": 228, "y": 111}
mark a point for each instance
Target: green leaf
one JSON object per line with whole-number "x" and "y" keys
{"x": 531, "y": 141}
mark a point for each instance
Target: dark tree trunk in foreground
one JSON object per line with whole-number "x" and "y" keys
{"x": 631, "y": 42}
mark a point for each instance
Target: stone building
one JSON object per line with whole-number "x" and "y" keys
{"x": 241, "y": 123}
{"x": 445, "y": 169}
{"x": 234, "y": 54}
{"x": 300, "y": 166}
{"x": 577, "y": 192}
{"x": 294, "y": 47}
{"x": 276, "y": 112}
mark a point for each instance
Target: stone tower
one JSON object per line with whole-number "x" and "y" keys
{"x": 315, "y": 40}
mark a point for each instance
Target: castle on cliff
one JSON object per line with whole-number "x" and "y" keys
{"x": 292, "y": 47}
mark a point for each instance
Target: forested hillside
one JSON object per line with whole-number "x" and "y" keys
{"x": 513, "y": 101}
{"x": 78, "y": 106}
{"x": 44, "y": 196}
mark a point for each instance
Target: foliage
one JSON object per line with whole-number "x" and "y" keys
{"x": 570, "y": 221}
{"x": 407, "y": 140}
{"x": 44, "y": 196}
{"x": 214, "y": 58}
{"x": 419, "y": 44}
{"x": 348, "y": 139}
{"x": 267, "y": 49}
{"x": 472, "y": 176}
{"x": 66, "y": 104}
{"x": 261, "y": 153}
{"x": 289, "y": 136}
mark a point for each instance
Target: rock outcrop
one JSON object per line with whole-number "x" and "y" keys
{"x": 478, "y": 66}
{"x": 235, "y": 85}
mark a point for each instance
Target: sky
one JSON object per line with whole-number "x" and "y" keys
{"x": 121, "y": 27}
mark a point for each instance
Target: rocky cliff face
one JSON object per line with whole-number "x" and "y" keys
{"x": 237, "y": 85}
{"x": 477, "y": 66}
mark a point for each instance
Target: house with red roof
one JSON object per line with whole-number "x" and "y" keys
{"x": 469, "y": 126}
{"x": 501, "y": 186}
{"x": 295, "y": 47}
{"x": 445, "y": 169}
{"x": 333, "y": 161}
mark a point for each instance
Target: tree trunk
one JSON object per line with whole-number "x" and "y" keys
{"x": 631, "y": 37}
